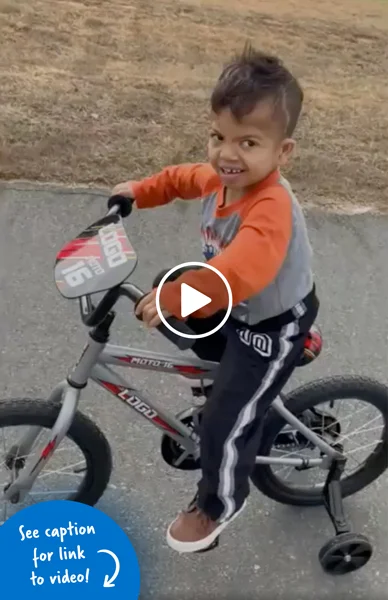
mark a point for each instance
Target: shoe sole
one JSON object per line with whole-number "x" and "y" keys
{"x": 186, "y": 547}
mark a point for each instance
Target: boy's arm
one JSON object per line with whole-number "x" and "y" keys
{"x": 250, "y": 262}
{"x": 186, "y": 181}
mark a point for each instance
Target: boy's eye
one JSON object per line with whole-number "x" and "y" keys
{"x": 248, "y": 144}
{"x": 216, "y": 136}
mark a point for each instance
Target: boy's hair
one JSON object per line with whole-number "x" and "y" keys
{"x": 252, "y": 77}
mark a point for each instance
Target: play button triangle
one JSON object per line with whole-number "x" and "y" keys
{"x": 192, "y": 300}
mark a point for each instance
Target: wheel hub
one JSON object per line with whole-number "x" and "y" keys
{"x": 347, "y": 558}
{"x": 14, "y": 462}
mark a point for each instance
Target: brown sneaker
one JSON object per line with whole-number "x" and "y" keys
{"x": 193, "y": 530}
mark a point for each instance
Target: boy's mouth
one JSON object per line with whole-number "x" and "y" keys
{"x": 231, "y": 171}
{"x": 231, "y": 175}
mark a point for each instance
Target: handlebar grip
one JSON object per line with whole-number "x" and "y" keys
{"x": 182, "y": 343}
{"x": 123, "y": 202}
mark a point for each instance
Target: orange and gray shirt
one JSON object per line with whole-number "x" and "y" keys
{"x": 259, "y": 243}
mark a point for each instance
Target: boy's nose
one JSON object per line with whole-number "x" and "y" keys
{"x": 228, "y": 154}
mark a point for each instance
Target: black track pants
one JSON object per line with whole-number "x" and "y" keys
{"x": 255, "y": 364}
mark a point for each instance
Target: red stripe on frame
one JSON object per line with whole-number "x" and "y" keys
{"x": 112, "y": 387}
{"x": 190, "y": 370}
{"x": 48, "y": 449}
{"x": 159, "y": 421}
{"x": 127, "y": 359}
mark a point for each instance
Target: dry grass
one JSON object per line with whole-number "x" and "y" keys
{"x": 97, "y": 91}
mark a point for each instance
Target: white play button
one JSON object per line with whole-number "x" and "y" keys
{"x": 192, "y": 300}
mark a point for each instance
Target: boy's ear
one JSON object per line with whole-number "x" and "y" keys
{"x": 286, "y": 150}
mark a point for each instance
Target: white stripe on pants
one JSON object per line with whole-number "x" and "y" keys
{"x": 246, "y": 415}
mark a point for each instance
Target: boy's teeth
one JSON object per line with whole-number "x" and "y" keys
{"x": 232, "y": 170}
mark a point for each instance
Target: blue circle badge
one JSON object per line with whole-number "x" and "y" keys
{"x": 65, "y": 549}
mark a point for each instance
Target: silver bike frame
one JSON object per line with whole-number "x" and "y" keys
{"x": 96, "y": 363}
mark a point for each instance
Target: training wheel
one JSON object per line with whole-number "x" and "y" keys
{"x": 345, "y": 553}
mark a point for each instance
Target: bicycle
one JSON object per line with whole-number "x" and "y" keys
{"x": 101, "y": 259}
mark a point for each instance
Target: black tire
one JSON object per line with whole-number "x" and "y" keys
{"x": 345, "y": 553}
{"x": 83, "y": 432}
{"x": 307, "y": 397}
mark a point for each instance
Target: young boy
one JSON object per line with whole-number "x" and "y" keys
{"x": 254, "y": 233}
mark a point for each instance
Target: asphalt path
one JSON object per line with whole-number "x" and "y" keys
{"x": 271, "y": 550}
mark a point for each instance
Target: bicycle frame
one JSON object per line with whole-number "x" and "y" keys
{"x": 96, "y": 363}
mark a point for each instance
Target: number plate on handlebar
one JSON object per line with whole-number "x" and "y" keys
{"x": 98, "y": 259}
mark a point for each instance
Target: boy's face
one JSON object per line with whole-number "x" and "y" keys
{"x": 244, "y": 153}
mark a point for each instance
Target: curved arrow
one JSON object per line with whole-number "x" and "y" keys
{"x": 109, "y": 582}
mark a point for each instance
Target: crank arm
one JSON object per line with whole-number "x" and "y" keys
{"x": 184, "y": 455}
{"x": 20, "y": 487}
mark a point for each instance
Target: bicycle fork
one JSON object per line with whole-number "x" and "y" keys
{"x": 24, "y": 472}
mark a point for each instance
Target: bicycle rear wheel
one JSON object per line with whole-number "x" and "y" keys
{"x": 308, "y": 404}
{"x": 90, "y": 456}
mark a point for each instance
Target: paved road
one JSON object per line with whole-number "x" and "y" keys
{"x": 271, "y": 551}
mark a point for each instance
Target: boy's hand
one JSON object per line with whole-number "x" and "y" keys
{"x": 147, "y": 309}
{"x": 123, "y": 189}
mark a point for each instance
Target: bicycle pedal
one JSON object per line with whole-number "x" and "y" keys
{"x": 211, "y": 547}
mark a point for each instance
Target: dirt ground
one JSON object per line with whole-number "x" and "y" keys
{"x": 99, "y": 91}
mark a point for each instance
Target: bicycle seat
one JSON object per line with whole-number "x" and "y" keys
{"x": 98, "y": 259}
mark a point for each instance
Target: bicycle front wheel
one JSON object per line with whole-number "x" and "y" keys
{"x": 79, "y": 470}
{"x": 360, "y": 432}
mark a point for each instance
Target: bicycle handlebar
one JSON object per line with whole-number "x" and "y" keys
{"x": 121, "y": 204}
{"x": 92, "y": 316}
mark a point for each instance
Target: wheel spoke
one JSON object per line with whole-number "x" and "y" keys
{"x": 25, "y": 456}
{"x": 358, "y": 549}
{"x": 334, "y": 563}
{"x": 48, "y": 493}
{"x": 341, "y": 567}
{"x": 59, "y": 467}
{"x": 358, "y": 430}
{"x": 355, "y": 424}
{"x": 63, "y": 470}
{"x": 288, "y": 471}
{"x": 359, "y": 561}
{"x": 374, "y": 443}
